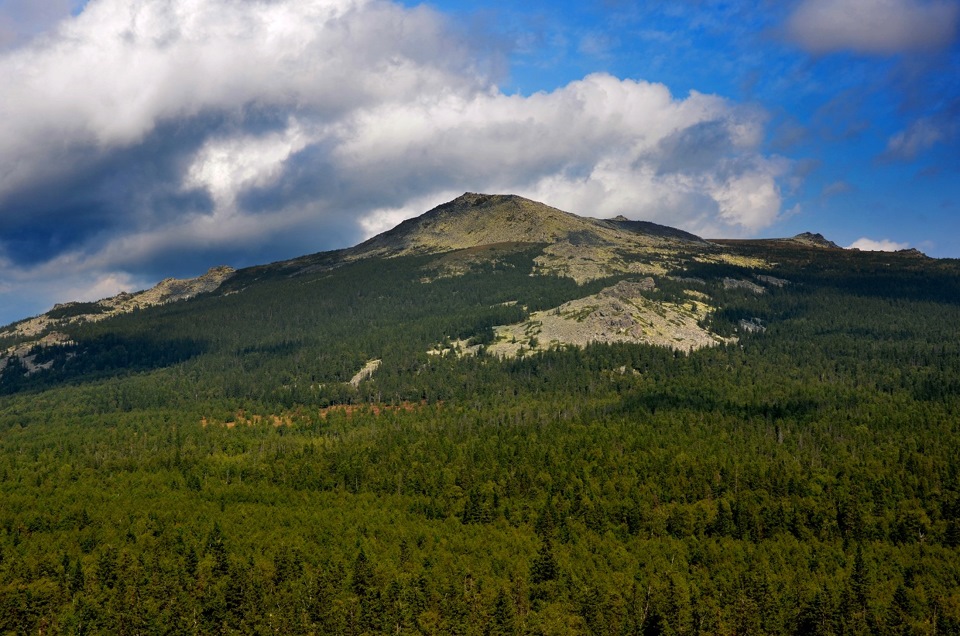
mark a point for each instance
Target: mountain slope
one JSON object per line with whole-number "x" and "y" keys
{"x": 282, "y": 454}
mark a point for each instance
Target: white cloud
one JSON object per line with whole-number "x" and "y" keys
{"x": 226, "y": 166}
{"x": 203, "y": 126}
{"x": 595, "y": 146}
{"x": 121, "y": 68}
{"x": 880, "y": 27}
{"x": 883, "y": 245}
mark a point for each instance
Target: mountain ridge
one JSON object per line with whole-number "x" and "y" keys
{"x": 470, "y": 230}
{"x": 32, "y": 335}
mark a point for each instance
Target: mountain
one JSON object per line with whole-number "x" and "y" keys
{"x": 580, "y": 248}
{"x": 627, "y": 282}
{"x": 475, "y": 231}
{"x": 471, "y": 234}
{"x": 496, "y": 418}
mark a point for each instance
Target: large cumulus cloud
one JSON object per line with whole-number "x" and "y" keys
{"x": 146, "y": 138}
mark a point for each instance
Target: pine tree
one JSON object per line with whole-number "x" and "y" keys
{"x": 544, "y": 566}
{"x": 859, "y": 580}
{"x": 77, "y": 579}
{"x": 502, "y": 622}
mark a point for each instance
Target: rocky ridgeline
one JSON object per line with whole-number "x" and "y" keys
{"x": 169, "y": 290}
{"x": 43, "y": 331}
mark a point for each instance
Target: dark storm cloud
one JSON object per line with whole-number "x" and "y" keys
{"x": 105, "y": 194}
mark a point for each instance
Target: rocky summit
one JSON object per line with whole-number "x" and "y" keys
{"x": 814, "y": 240}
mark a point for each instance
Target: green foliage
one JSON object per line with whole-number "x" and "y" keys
{"x": 804, "y": 480}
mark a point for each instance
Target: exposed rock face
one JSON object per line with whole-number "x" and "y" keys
{"x": 365, "y": 373}
{"x": 753, "y": 325}
{"x": 733, "y": 283}
{"x": 171, "y": 290}
{"x": 26, "y": 352}
{"x": 619, "y": 313}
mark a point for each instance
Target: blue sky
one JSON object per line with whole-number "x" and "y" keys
{"x": 144, "y": 140}
{"x": 833, "y": 107}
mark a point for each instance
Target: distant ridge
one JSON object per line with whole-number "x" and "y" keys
{"x": 166, "y": 291}
{"x": 655, "y": 229}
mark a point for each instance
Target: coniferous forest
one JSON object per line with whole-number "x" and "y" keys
{"x": 205, "y": 466}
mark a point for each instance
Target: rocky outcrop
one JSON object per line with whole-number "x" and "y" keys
{"x": 734, "y": 283}
{"x": 811, "y": 239}
{"x": 365, "y": 373}
{"x": 170, "y": 290}
{"x": 26, "y": 352}
{"x": 620, "y": 313}
{"x": 912, "y": 251}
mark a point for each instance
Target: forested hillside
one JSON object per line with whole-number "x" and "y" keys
{"x": 206, "y": 467}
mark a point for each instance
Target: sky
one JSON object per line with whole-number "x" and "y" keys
{"x": 144, "y": 139}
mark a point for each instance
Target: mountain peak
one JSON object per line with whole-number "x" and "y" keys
{"x": 474, "y": 219}
{"x": 814, "y": 240}
{"x": 471, "y": 220}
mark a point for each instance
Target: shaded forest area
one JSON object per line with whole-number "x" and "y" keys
{"x": 804, "y": 480}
